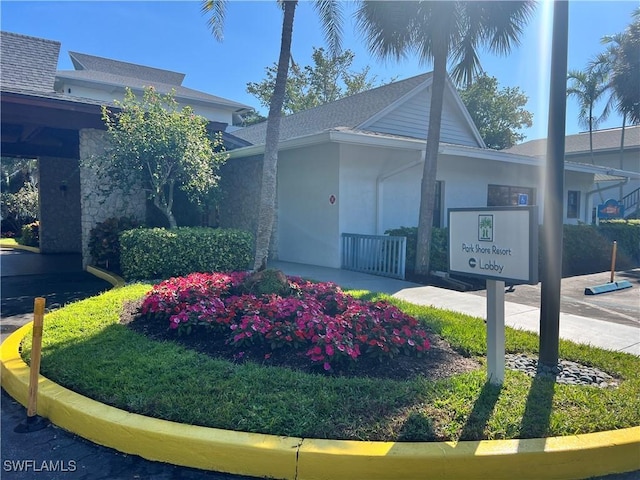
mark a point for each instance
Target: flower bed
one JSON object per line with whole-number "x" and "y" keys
{"x": 318, "y": 320}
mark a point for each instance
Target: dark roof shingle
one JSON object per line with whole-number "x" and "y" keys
{"x": 28, "y": 63}
{"x": 82, "y": 61}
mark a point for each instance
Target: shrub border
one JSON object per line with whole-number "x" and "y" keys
{"x": 572, "y": 457}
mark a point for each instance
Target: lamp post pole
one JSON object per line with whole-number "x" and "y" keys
{"x": 554, "y": 181}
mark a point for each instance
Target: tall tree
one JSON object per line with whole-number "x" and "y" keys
{"x": 328, "y": 79}
{"x": 330, "y": 13}
{"x": 625, "y": 68}
{"x": 498, "y": 114}
{"x": 160, "y": 148}
{"x": 440, "y": 32}
{"x": 623, "y": 82}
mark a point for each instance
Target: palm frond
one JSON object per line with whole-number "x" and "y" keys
{"x": 331, "y": 19}
{"x": 215, "y": 11}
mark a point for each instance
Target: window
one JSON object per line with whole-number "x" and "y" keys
{"x": 573, "y": 204}
{"x": 504, "y": 196}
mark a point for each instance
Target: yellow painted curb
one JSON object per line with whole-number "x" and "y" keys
{"x": 186, "y": 445}
{"x": 17, "y": 246}
{"x": 112, "y": 278}
{"x": 574, "y": 457}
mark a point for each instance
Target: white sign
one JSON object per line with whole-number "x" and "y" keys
{"x": 498, "y": 243}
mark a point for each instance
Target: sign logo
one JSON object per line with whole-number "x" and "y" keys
{"x": 611, "y": 209}
{"x": 485, "y": 228}
{"x": 472, "y": 262}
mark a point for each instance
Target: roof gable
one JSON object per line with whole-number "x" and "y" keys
{"x": 28, "y": 63}
{"x": 82, "y": 61}
{"x": 348, "y": 112}
{"x": 409, "y": 116}
{"x": 399, "y": 108}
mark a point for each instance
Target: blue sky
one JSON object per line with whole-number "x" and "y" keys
{"x": 175, "y": 36}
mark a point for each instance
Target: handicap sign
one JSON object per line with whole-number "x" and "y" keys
{"x": 523, "y": 199}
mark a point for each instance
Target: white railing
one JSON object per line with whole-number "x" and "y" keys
{"x": 375, "y": 254}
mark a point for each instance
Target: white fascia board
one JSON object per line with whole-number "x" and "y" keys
{"x": 597, "y": 169}
{"x": 114, "y": 87}
{"x": 338, "y": 136}
{"x": 489, "y": 154}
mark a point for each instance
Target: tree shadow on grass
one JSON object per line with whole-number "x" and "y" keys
{"x": 537, "y": 413}
{"x": 473, "y": 428}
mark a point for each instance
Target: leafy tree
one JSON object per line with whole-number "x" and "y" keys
{"x": 498, "y": 114}
{"x": 19, "y": 200}
{"x": 327, "y": 80}
{"x": 330, "y": 13}
{"x": 160, "y": 148}
{"x": 440, "y": 32}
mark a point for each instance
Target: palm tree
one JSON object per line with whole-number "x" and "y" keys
{"x": 440, "y": 32}
{"x": 617, "y": 63}
{"x": 589, "y": 87}
{"x": 624, "y": 49}
{"x": 330, "y": 13}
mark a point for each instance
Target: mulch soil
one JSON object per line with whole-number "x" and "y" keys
{"x": 439, "y": 362}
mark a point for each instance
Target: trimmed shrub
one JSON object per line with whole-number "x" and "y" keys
{"x": 104, "y": 241}
{"x": 148, "y": 253}
{"x": 31, "y": 234}
{"x": 439, "y": 247}
{"x": 587, "y": 248}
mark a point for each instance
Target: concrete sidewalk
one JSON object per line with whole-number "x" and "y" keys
{"x": 577, "y": 328}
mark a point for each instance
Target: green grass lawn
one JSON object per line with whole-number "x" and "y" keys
{"x": 87, "y": 350}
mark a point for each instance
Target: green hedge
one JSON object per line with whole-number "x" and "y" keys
{"x": 439, "y": 247}
{"x": 150, "y": 253}
{"x": 586, "y": 248}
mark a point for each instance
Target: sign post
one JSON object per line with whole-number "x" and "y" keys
{"x": 499, "y": 244}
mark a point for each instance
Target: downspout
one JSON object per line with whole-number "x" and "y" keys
{"x": 598, "y": 190}
{"x": 380, "y": 187}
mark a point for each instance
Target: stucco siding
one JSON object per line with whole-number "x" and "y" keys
{"x": 307, "y": 219}
{"x": 363, "y": 171}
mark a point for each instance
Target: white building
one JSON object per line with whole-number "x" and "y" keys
{"x": 355, "y": 166}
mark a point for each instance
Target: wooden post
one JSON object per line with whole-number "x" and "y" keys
{"x": 36, "y": 349}
{"x": 613, "y": 260}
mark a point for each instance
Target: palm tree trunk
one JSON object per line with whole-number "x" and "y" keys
{"x": 428, "y": 186}
{"x": 624, "y": 124}
{"x": 267, "y": 207}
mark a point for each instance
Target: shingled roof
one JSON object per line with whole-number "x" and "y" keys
{"x": 28, "y": 63}
{"x": 603, "y": 140}
{"x": 348, "y": 112}
{"x": 106, "y": 71}
{"x": 82, "y": 61}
